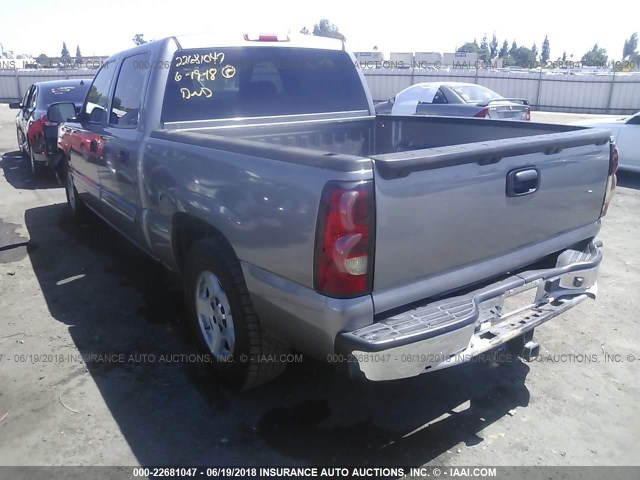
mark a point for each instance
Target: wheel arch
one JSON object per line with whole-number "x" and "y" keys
{"x": 186, "y": 230}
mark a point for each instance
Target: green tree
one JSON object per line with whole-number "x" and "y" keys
{"x": 534, "y": 52}
{"x": 564, "y": 56}
{"x": 305, "y": 31}
{"x": 523, "y": 57}
{"x": 65, "y": 58}
{"x": 42, "y": 59}
{"x": 485, "y": 51}
{"x": 470, "y": 47}
{"x": 138, "y": 39}
{"x": 504, "y": 51}
{"x": 630, "y": 46}
{"x": 494, "y": 46}
{"x": 595, "y": 57}
{"x": 324, "y": 28}
{"x": 512, "y": 50}
{"x": 546, "y": 51}
{"x": 78, "y": 55}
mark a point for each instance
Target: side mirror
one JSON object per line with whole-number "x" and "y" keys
{"x": 60, "y": 112}
{"x": 15, "y": 105}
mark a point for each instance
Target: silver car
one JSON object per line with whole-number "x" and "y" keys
{"x": 626, "y": 133}
{"x": 455, "y": 99}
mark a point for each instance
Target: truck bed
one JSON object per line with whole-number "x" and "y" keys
{"x": 443, "y": 217}
{"x": 378, "y": 135}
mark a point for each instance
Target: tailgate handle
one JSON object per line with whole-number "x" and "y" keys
{"x": 522, "y": 182}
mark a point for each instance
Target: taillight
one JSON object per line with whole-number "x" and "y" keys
{"x": 344, "y": 240}
{"x": 484, "y": 113}
{"x": 611, "y": 179}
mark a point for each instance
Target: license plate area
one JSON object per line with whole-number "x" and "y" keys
{"x": 518, "y": 302}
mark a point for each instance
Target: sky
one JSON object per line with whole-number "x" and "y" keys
{"x": 104, "y": 27}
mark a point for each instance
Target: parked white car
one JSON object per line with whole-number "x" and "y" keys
{"x": 626, "y": 132}
{"x": 455, "y": 99}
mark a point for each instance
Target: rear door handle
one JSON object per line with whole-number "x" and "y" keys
{"x": 522, "y": 181}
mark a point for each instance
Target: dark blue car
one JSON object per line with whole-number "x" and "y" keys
{"x": 37, "y": 135}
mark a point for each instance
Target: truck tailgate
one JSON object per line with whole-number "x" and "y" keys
{"x": 449, "y": 216}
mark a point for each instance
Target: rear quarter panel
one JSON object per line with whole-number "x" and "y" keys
{"x": 267, "y": 209}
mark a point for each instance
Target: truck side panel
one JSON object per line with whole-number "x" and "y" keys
{"x": 266, "y": 209}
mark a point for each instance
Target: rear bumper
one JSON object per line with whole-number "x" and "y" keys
{"x": 455, "y": 330}
{"x": 46, "y": 150}
{"x": 50, "y": 161}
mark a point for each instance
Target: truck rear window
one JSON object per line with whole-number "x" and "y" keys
{"x": 260, "y": 81}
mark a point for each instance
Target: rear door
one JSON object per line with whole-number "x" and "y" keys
{"x": 22, "y": 116}
{"x": 28, "y": 116}
{"x": 467, "y": 212}
{"x": 117, "y": 166}
{"x": 87, "y": 141}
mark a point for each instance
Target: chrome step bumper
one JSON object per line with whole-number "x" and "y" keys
{"x": 455, "y": 330}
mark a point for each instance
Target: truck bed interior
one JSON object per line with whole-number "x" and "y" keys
{"x": 384, "y": 134}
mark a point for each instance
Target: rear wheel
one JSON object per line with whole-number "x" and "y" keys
{"x": 37, "y": 168}
{"x": 78, "y": 209}
{"x": 223, "y": 320}
{"x": 20, "y": 138}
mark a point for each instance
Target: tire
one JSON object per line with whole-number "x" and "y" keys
{"x": 37, "y": 168}
{"x": 77, "y": 208}
{"x": 222, "y": 318}
{"x": 19, "y": 138}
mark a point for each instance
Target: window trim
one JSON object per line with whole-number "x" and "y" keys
{"x": 27, "y": 97}
{"x": 441, "y": 92}
{"x": 86, "y": 99}
{"x": 33, "y": 99}
{"x": 143, "y": 91}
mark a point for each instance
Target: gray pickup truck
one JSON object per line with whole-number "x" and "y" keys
{"x": 256, "y": 168}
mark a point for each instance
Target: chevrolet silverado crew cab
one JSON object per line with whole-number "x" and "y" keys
{"x": 256, "y": 168}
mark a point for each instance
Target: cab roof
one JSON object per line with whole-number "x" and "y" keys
{"x": 258, "y": 39}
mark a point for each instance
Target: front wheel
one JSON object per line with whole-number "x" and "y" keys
{"x": 222, "y": 318}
